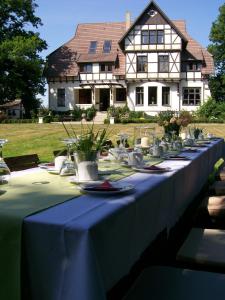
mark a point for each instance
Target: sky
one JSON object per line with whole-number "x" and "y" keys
{"x": 60, "y": 17}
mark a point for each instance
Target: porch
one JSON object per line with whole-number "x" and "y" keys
{"x": 101, "y": 96}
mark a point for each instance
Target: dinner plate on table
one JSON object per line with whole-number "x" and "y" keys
{"x": 152, "y": 169}
{"x": 52, "y": 171}
{"x": 75, "y": 180}
{"x": 200, "y": 145}
{"x": 190, "y": 150}
{"x": 177, "y": 157}
{"x": 117, "y": 188}
{"x": 46, "y": 165}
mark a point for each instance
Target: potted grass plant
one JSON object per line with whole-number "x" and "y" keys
{"x": 86, "y": 147}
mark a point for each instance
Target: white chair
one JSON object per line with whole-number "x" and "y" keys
{"x": 204, "y": 247}
{"x": 167, "y": 283}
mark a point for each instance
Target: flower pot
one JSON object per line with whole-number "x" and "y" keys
{"x": 111, "y": 120}
{"x": 40, "y": 120}
{"x": 86, "y": 165}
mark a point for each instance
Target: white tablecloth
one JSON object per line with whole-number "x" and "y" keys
{"x": 78, "y": 250}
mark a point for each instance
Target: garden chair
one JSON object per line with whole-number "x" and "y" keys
{"x": 22, "y": 162}
{"x": 204, "y": 249}
{"x": 211, "y": 213}
{"x": 168, "y": 283}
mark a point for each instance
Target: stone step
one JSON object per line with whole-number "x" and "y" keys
{"x": 100, "y": 117}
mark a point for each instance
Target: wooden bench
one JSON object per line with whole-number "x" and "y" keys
{"x": 23, "y": 162}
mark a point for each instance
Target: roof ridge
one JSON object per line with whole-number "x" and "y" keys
{"x": 106, "y": 22}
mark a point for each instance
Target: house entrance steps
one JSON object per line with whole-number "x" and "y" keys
{"x": 100, "y": 117}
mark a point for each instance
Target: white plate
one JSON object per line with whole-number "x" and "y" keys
{"x": 52, "y": 171}
{"x": 177, "y": 157}
{"x": 122, "y": 188}
{"x": 56, "y": 172}
{"x": 74, "y": 180}
{"x": 46, "y": 165}
{"x": 105, "y": 172}
{"x": 162, "y": 170}
{"x": 125, "y": 164}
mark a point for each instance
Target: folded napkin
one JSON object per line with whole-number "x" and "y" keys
{"x": 178, "y": 157}
{"x": 153, "y": 168}
{"x": 200, "y": 145}
{"x": 51, "y": 164}
{"x": 190, "y": 150}
{"x": 105, "y": 186}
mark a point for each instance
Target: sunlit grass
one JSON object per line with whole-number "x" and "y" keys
{"x": 44, "y": 138}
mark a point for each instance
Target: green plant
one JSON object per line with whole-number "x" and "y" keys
{"x": 91, "y": 113}
{"x": 76, "y": 113}
{"x": 112, "y": 112}
{"x": 87, "y": 141}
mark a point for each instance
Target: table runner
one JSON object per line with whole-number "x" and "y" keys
{"x": 23, "y": 196}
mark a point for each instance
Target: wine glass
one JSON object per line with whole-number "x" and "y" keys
{"x": 69, "y": 165}
{"x": 4, "y": 170}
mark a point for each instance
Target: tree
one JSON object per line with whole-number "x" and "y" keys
{"x": 21, "y": 65}
{"x": 217, "y": 49}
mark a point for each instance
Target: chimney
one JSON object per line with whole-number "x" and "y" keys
{"x": 128, "y": 20}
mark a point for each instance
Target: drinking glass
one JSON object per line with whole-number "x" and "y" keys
{"x": 4, "y": 170}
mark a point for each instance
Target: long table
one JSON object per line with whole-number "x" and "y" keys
{"x": 78, "y": 250}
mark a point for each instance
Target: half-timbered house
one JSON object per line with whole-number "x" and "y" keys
{"x": 151, "y": 65}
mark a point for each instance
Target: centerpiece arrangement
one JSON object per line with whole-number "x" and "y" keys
{"x": 173, "y": 121}
{"x": 86, "y": 147}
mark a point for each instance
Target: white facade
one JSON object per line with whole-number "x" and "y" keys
{"x": 159, "y": 73}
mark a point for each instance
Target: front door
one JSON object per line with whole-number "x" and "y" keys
{"x": 104, "y": 99}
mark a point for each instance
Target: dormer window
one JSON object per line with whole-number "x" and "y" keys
{"x": 193, "y": 66}
{"x": 106, "y": 68}
{"x": 107, "y": 46}
{"x": 93, "y": 46}
{"x": 152, "y": 37}
{"x": 86, "y": 68}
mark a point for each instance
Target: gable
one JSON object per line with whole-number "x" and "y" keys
{"x": 152, "y": 15}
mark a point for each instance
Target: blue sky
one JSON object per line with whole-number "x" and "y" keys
{"x": 60, "y": 17}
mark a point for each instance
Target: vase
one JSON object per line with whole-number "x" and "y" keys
{"x": 86, "y": 165}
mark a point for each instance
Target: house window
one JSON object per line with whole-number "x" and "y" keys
{"x": 163, "y": 63}
{"x": 193, "y": 67}
{"x": 142, "y": 63}
{"x": 93, "y": 46}
{"x": 152, "y": 95}
{"x": 191, "y": 96}
{"x": 106, "y": 68}
{"x": 165, "y": 95}
{"x": 86, "y": 68}
{"x": 139, "y": 96}
{"x": 85, "y": 96}
{"x": 152, "y": 37}
{"x": 121, "y": 95}
{"x": 61, "y": 98}
{"x": 145, "y": 37}
{"x": 107, "y": 46}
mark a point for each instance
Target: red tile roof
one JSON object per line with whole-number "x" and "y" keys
{"x": 194, "y": 50}
{"x": 64, "y": 60}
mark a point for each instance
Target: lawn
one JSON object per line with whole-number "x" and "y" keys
{"x": 44, "y": 138}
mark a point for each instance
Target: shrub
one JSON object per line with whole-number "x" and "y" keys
{"x": 76, "y": 113}
{"x": 212, "y": 110}
{"x": 18, "y": 121}
{"x": 91, "y": 113}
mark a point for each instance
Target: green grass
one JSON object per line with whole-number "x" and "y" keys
{"x": 44, "y": 138}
